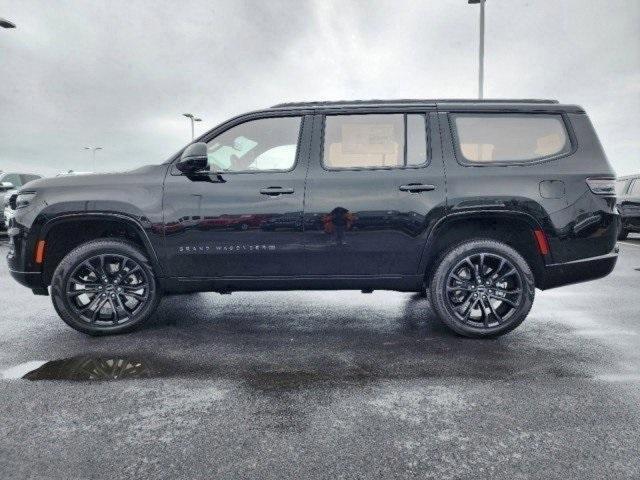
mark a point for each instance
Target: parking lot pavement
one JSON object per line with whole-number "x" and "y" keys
{"x": 325, "y": 385}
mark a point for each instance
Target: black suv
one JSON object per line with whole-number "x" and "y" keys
{"x": 628, "y": 191}
{"x": 476, "y": 203}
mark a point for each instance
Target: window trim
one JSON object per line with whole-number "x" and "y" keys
{"x": 427, "y": 137}
{"x": 235, "y": 122}
{"x": 462, "y": 160}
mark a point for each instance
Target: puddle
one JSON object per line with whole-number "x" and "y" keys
{"x": 79, "y": 369}
{"x": 302, "y": 373}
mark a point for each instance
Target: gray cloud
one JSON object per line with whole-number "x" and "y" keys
{"x": 120, "y": 74}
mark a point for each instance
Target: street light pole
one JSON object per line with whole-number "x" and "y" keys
{"x": 93, "y": 149}
{"x": 481, "y": 49}
{"x": 193, "y": 119}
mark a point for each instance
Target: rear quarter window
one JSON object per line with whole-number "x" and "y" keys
{"x": 509, "y": 138}
{"x": 621, "y": 186}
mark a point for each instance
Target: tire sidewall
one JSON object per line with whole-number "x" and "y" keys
{"x": 79, "y": 255}
{"x": 451, "y": 258}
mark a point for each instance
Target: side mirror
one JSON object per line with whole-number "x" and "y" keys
{"x": 194, "y": 158}
{"x": 4, "y": 186}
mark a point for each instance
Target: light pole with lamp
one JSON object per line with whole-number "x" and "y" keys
{"x": 93, "y": 149}
{"x": 481, "y": 49}
{"x": 193, "y": 119}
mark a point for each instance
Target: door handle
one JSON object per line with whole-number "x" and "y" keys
{"x": 275, "y": 191}
{"x": 417, "y": 188}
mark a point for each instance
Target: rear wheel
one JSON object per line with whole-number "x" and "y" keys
{"x": 482, "y": 288}
{"x": 105, "y": 287}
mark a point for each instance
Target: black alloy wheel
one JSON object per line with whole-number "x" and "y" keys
{"x": 108, "y": 288}
{"x": 105, "y": 286}
{"x": 482, "y": 288}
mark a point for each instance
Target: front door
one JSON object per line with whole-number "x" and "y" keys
{"x": 244, "y": 217}
{"x": 375, "y": 188}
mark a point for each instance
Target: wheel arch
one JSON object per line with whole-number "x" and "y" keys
{"x": 516, "y": 229}
{"x": 64, "y": 233}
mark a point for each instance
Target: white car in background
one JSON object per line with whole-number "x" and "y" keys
{"x": 9, "y": 184}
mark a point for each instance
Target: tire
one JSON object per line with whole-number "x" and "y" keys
{"x": 500, "y": 305}
{"x": 623, "y": 234}
{"x": 130, "y": 294}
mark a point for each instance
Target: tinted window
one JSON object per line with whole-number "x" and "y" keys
{"x": 621, "y": 186}
{"x": 13, "y": 178}
{"x": 258, "y": 145}
{"x": 28, "y": 177}
{"x": 374, "y": 141}
{"x": 485, "y": 138}
{"x": 416, "y": 140}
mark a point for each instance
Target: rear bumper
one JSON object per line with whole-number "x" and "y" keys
{"x": 583, "y": 270}
{"x": 28, "y": 279}
{"x": 33, "y": 280}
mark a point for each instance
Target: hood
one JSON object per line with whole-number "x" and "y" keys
{"x": 90, "y": 179}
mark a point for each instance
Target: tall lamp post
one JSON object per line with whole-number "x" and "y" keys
{"x": 193, "y": 119}
{"x": 93, "y": 149}
{"x": 6, "y": 23}
{"x": 481, "y": 49}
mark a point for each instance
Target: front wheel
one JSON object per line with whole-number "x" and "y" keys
{"x": 105, "y": 287}
{"x": 482, "y": 288}
{"x": 623, "y": 234}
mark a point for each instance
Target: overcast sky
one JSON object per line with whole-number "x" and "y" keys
{"x": 119, "y": 74}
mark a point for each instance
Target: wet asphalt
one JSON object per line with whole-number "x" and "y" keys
{"x": 303, "y": 385}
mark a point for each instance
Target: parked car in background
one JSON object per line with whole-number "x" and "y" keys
{"x": 478, "y": 202}
{"x": 9, "y": 184}
{"x": 71, "y": 172}
{"x": 628, "y": 193}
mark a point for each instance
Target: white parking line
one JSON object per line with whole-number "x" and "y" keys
{"x": 632, "y": 244}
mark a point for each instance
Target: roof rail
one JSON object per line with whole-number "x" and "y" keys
{"x": 341, "y": 103}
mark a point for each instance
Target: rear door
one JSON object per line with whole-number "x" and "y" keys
{"x": 375, "y": 187}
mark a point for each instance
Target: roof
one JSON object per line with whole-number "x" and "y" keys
{"x": 429, "y": 102}
{"x": 455, "y": 104}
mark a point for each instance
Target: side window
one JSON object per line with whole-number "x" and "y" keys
{"x": 13, "y": 178}
{"x": 487, "y": 138}
{"x": 621, "y": 186}
{"x": 28, "y": 177}
{"x": 416, "y": 140}
{"x": 266, "y": 144}
{"x": 635, "y": 188}
{"x": 374, "y": 141}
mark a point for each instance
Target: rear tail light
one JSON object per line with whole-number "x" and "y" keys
{"x": 602, "y": 186}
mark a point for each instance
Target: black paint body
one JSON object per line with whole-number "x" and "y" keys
{"x": 219, "y": 233}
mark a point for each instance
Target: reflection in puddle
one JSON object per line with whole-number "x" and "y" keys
{"x": 89, "y": 368}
